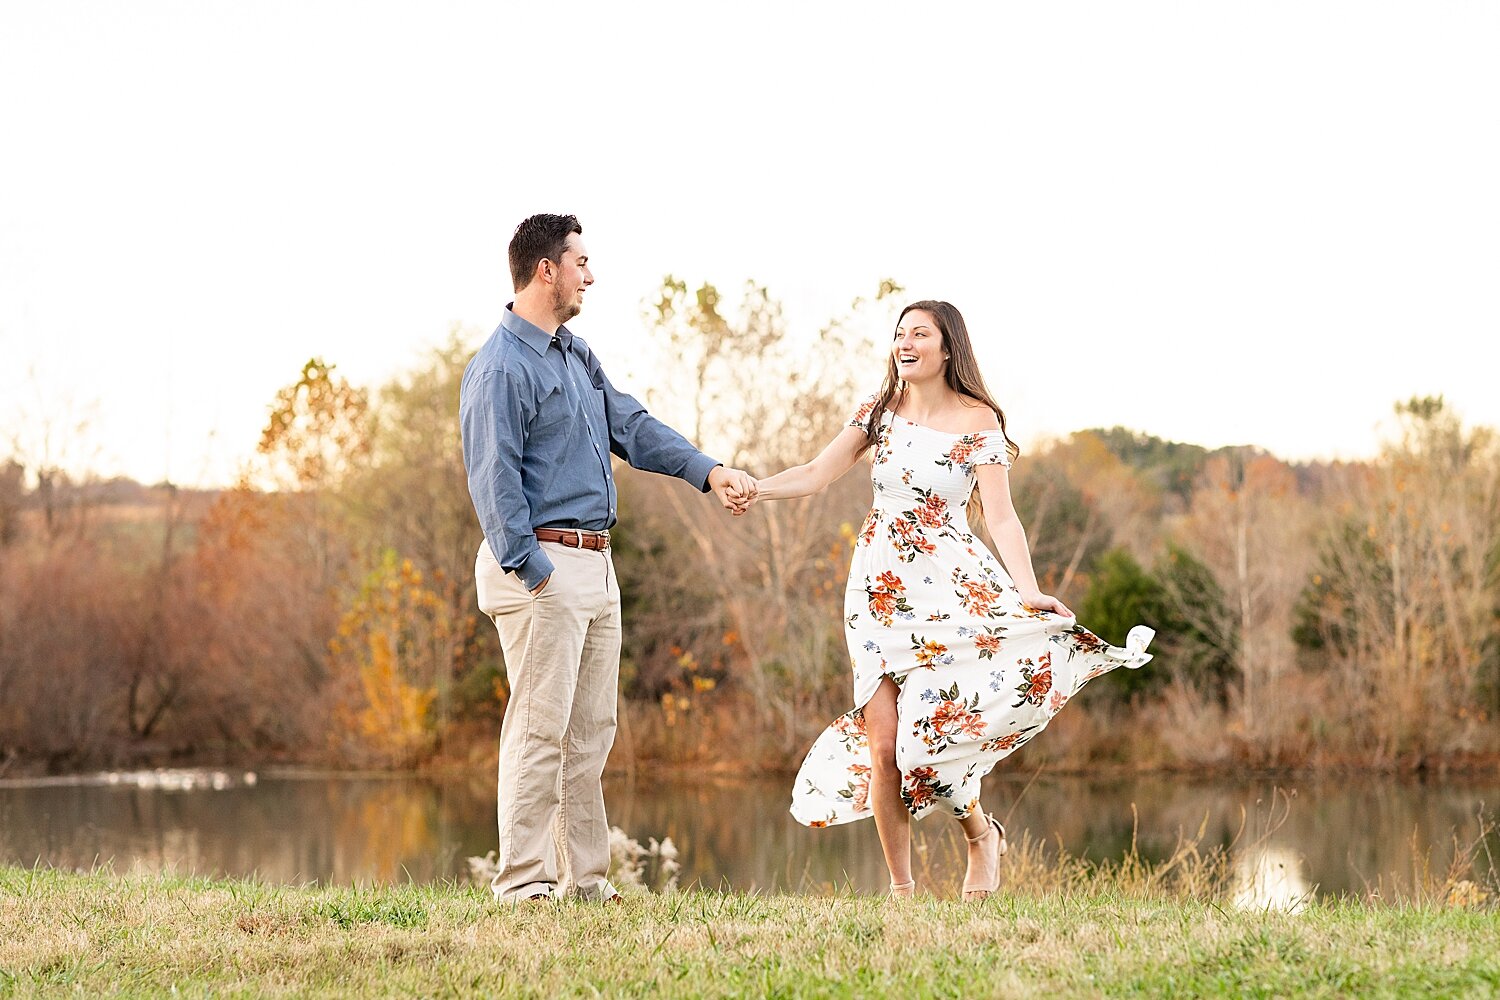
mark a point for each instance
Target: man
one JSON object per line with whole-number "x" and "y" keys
{"x": 540, "y": 420}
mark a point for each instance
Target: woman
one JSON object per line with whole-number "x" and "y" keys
{"x": 956, "y": 663}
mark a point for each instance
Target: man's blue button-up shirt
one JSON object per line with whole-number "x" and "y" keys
{"x": 539, "y": 421}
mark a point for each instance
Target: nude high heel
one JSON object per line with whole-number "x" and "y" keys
{"x": 972, "y": 892}
{"x": 904, "y": 890}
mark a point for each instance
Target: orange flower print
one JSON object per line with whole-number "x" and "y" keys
{"x": 978, "y": 597}
{"x": 851, "y": 724}
{"x": 887, "y": 598}
{"x": 1056, "y": 702}
{"x": 1008, "y": 742}
{"x": 988, "y": 645}
{"x": 946, "y": 716}
{"x": 917, "y": 795}
{"x": 933, "y": 513}
{"x": 930, "y": 653}
{"x": 851, "y": 730}
{"x": 863, "y": 413}
{"x": 921, "y": 788}
{"x": 861, "y": 786}
{"x": 1080, "y": 640}
{"x": 1036, "y": 680}
{"x": 882, "y": 445}
{"x": 867, "y": 530}
{"x": 951, "y": 718}
{"x": 856, "y": 790}
{"x": 961, "y": 450}
{"x": 908, "y": 540}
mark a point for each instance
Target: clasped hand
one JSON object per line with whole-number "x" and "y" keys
{"x": 735, "y": 488}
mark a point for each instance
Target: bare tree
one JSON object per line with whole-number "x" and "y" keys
{"x": 758, "y": 396}
{"x": 1405, "y": 598}
{"x": 1245, "y": 521}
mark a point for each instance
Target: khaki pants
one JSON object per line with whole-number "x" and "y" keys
{"x": 562, "y": 655}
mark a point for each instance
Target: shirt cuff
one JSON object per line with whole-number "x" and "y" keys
{"x": 698, "y": 469}
{"x": 536, "y": 568}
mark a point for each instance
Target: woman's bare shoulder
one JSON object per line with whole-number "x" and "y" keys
{"x": 977, "y": 416}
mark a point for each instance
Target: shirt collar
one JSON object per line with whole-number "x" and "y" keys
{"x": 532, "y": 335}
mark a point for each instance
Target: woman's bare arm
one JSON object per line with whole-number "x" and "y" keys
{"x": 1010, "y": 537}
{"x": 816, "y": 476}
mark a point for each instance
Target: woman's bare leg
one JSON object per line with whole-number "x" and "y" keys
{"x": 892, "y": 821}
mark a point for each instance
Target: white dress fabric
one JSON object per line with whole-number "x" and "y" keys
{"x": 980, "y": 674}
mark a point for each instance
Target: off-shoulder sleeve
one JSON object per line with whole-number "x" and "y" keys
{"x": 862, "y": 414}
{"x": 990, "y": 448}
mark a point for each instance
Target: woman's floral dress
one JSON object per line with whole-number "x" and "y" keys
{"x": 980, "y": 673}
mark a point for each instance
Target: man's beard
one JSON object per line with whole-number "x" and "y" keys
{"x": 564, "y": 308}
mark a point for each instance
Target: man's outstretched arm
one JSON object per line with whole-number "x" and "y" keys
{"x": 648, "y": 444}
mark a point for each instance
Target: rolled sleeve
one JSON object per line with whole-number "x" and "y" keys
{"x": 698, "y": 469}
{"x": 493, "y": 413}
{"x": 536, "y": 568}
{"x": 647, "y": 443}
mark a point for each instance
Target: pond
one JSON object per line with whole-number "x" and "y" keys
{"x": 1290, "y": 837}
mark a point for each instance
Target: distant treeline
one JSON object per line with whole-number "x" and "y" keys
{"x": 323, "y": 609}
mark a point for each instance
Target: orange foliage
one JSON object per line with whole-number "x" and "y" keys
{"x": 394, "y": 649}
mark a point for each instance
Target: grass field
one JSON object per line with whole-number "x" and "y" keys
{"x": 1113, "y": 931}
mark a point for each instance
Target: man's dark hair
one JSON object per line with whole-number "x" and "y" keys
{"x": 539, "y": 237}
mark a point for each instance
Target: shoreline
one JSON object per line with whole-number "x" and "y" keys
{"x": 35, "y": 774}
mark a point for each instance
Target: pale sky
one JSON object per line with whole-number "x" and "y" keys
{"x": 1217, "y": 222}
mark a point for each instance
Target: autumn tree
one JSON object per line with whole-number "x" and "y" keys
{"x": 316, "y": 438}
{"x": 1077, "y": 500}
{"x": 1404, "y": 601}
{"x": 413, "y": 498}
{"x": 754, "y": 394}
{"x": 392, "y": 651}
{"x": 1246, "y": 523}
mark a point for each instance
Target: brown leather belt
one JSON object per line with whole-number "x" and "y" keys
{"x": 575, "y": 538}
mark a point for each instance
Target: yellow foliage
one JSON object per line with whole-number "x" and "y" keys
{"x": 395, "y": 713}
{"x": 1465, "y": 894}
{"x": 394, "y": 647}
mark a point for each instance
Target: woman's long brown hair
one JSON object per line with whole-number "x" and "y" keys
{"x": 962, "y": 376}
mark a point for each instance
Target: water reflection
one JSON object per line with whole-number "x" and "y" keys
{"x": 1335, "y": 836}
{"x": 1270, "y": 878}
